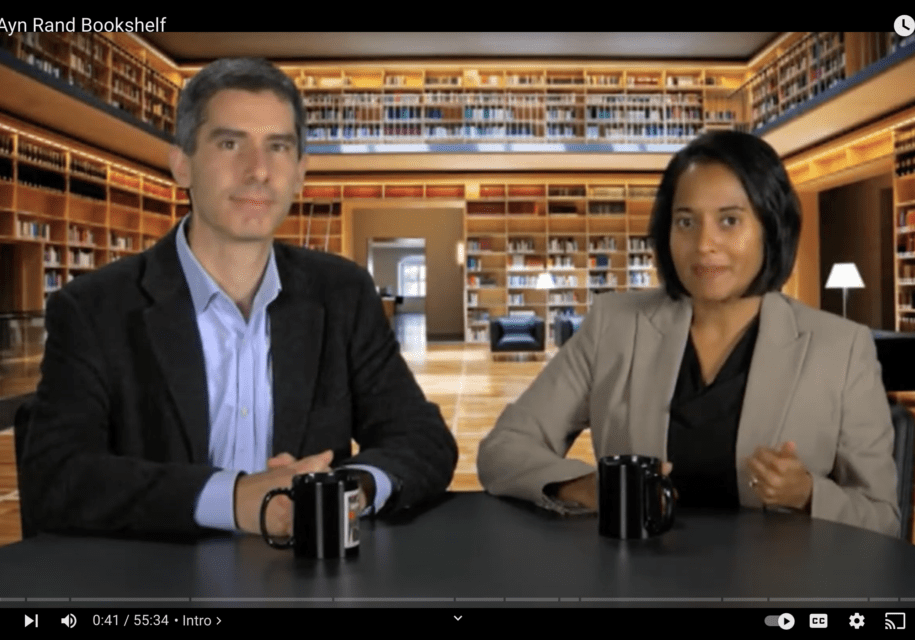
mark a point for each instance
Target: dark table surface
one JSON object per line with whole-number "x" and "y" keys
{"x": 476, "y": 550}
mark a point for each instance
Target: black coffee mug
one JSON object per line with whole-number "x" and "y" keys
{"x": 635, "y": 500}
{"x": 325, "y": 515}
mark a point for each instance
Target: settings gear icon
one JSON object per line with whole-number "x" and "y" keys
{"x": 856, "y": 620}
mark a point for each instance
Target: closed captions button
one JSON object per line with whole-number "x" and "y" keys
{"x": 818, "y": 620}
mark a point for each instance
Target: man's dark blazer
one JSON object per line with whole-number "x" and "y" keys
{"x": 119, "y": 434}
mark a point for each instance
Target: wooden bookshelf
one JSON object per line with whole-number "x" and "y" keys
{"x": 65, "y": 210}
{"x": 488, "y": 101}
{"x": 904, "y": 226}
{"x": 549, "y": 247}
{"x": 800, "y": 69}
{"x": 567, "y": 103}
{"x": 106, "y": 67}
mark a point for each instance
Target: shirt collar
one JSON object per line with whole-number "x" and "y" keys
{"x": 204, "y": 289}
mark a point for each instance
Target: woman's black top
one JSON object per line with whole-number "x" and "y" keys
{"x": 702, "y": 437}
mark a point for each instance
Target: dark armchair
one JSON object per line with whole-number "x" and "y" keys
{"x": 904, "y": 453}
{"x": 20, "y": 427}
{"x": 512, "y": 334}
{"x": 565, "y": 327}
{"x": 896, "y": 353}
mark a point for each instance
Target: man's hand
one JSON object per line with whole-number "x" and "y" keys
{"x": 779, "y": 477}
{"x": 251, "y": 489}
{"x": 366, "y": 489}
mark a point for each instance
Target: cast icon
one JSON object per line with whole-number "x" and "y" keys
{"x": 895, "y": 621}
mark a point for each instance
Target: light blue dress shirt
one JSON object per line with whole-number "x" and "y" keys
{"x": 239, "y": 375}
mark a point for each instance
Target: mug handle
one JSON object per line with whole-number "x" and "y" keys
{"x": 267, "y": 498}
{"x": 666, "y": 521}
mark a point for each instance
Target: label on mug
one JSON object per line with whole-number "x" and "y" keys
{"x": 350, "y": 515}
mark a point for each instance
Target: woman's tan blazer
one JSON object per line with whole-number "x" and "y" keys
{"x": 814, "y": 379}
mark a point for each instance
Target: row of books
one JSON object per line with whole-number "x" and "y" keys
{"x": 41, "y": 155}
{"x": 561, "y": 262}
{"x": 481, "y": 244}
{"x": 80, "y": 258}
{"x": 522, "y": 281}
{"x": 496, "y": 100}
{"x": 636, "y": 132}
{"x": 521, "y": 245}
{"x": 526, "y": 245}
{"x": 474, "y": 264}
{"x": 565, "y": 297}
{"x": 472, "y": 78}
{"x": 560, "y": 281}
{"x": 905, "y": 164}
{"x": 87, "y": 168}
{"x": 562, "y": 245}
{"x": 905, "y": 141}
{"x": 52, "y": 256}
{"x": 602, "y": 280}
{"x": 525, "y": 262}
{"x": 80, "y": 235}
{"x": 607, "y": 243}
{"x": 639, "y": 279}
{"x": 617, "y": 133}
{"x": 481, "y": 281}
{"x": 417, "y": 114}
{"x": 29, "y": 229}
{"x": 607, "y": 207}
{"x": 121, "y": 242}
{"x": 55, "y": 280}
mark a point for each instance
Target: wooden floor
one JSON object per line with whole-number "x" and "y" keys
{"x": 463, "y": 380}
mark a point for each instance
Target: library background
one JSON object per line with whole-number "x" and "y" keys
{"x": 488, "y": 195}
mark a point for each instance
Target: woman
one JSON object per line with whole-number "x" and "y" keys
{"x": 751, "y": 397}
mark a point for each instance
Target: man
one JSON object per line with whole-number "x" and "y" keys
{"x": 180, "y": 385}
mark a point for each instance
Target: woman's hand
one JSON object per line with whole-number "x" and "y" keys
{"x": 584, "y": 490}
{"x": 780, "y": 478}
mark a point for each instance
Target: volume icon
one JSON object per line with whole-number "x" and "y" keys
{"x": 68, "y": 621}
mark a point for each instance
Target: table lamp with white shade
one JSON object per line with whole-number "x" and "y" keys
{"x": 844, "y": 276}
{"x": 545, "y": 280}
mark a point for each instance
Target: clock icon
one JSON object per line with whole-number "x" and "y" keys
{"x": 904, "y": 26}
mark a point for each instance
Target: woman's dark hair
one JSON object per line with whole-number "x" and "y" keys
{"x": 766, "y": 183}
{"x": 247, "y": 74}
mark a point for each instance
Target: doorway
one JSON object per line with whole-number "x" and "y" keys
{"x": 441, "y": 227}
{"x": 398, "y": 267}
